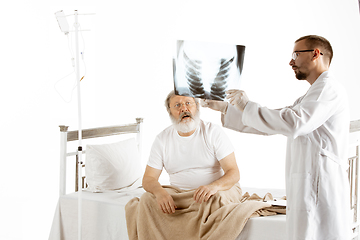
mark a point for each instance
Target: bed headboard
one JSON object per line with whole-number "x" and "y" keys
{"x": 69, "y": 136}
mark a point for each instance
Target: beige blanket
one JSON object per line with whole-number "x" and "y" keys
{"x": 222, "y": 217}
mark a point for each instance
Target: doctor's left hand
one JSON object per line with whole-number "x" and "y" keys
{"x": 237, "y": 98}
{"x": 203, "y": 193}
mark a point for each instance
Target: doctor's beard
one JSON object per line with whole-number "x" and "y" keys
{"x": 189, "y": 125}
{"x": 301, "y": 75}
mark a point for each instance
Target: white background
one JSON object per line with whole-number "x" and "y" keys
{"x": 128, "y": 55}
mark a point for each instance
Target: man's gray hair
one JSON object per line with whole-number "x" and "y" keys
{"x": 171, "y": 95}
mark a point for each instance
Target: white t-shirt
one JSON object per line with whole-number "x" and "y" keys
{"x": 191, "y": 161}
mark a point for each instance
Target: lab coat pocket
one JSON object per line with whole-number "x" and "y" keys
{"x": 304, "y": 187}
{"x": 327, "y": 155}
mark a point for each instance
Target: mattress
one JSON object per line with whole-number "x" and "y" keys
{"x": 270, "y": 227}
{"x": 103, "y": 217}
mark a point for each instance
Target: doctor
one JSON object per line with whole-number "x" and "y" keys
{"x": 316, "y": 125}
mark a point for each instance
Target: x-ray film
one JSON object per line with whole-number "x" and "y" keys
{"x": 207, "y": 70}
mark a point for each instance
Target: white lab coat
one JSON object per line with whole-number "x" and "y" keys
{"x": 317, "y": 127}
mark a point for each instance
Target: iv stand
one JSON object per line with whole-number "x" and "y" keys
{"x": 77, "y": 66}
{"x": 61, "y": 18}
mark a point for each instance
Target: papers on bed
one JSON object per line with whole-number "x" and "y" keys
{"x": 277, "y": 202}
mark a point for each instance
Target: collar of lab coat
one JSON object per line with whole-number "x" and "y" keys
{"x": 322, "y": 76}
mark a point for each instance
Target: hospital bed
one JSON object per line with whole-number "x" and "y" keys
{"x": 103, "y": 211}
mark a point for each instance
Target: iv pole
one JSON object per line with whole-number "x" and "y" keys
{"x": 76, "y": 25}
{"x": 65, "y": 28}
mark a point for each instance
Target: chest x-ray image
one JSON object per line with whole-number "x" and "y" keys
{"x": 207, "y": 70}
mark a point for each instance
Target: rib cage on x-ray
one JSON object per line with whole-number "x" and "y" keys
{"x": 218, "y": 88}
{"x": 207, "y": 70}
{"x": 194, "y": 78}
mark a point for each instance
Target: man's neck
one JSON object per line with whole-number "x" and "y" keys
{"x": 315, "y": 75}
{"x": 186, "y": 134}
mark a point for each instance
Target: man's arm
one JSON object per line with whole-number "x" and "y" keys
{"x": 230, "y": 178}
{"x": 151, "y": 184}
{"x": 230, "y": 116}
{"x": 232, "y": 119}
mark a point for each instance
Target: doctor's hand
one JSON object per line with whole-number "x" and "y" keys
{"x": 237, "y": 98}
{"x": 220, "y": 106}
{"x": 165, "y": 202}
{"x": 203, "y": 193}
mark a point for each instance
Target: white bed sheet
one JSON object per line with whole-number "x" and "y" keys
{"x": 260, "y": 228}
{"x": 103, "y": 217}
{"x": 270, "y": 227}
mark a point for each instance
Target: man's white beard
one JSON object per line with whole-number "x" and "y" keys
{"x": 187, "y": 126}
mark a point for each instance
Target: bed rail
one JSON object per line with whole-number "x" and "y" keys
{"x": 68, "y": 136}
{"x": 355, "y": 126}
{"x": 353, "y": 174}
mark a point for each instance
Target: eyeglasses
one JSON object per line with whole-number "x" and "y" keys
{"x": 295, "y": 54}
{"x": 177, "y": 106}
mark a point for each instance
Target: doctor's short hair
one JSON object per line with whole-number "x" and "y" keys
{"x": 314, "y": 41}
{"x": 172, "y": 94}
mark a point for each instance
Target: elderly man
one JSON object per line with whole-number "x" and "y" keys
{"x": 196, "y": 155}
{"x": 317, "y": 127}
{"x": 204, "y": 200}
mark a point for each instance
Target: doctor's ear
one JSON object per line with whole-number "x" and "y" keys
{"x": 317, "y": 53}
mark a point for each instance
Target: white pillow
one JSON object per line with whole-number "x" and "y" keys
{"x": 112, "y": 166}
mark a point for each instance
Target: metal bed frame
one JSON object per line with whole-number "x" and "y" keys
{"x": 68, "y": 136}
{"x": 353, "y": 175}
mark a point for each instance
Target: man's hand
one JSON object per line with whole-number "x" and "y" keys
{"x": 151, "y": 184}
{"x": 203, "y": 193}
{"x": 214, "y": 105}
{"x": 238, "y": 98}
{"x": 228, "y": 180}
{"x": 166, "y": 202}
